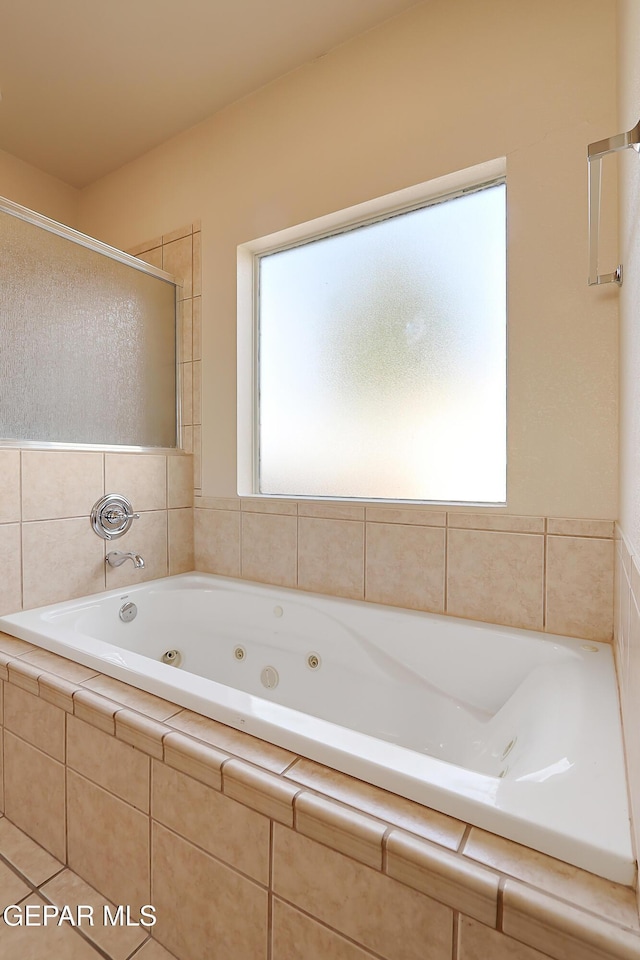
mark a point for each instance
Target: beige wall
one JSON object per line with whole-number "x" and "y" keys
{"x": 629, "y": 112}
{"x": 32, "y": 188}
{"x": 627, "y": 619}
{"x": 447, "y": 85}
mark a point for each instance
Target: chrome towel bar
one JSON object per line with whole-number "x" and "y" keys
{"x": 595, "y": 152}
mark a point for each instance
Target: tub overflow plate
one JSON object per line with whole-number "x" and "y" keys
{"x": 128, "y": 612}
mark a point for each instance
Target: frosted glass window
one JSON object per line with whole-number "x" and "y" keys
{"x": 87, "y": 344}
{"x": 382, "y": 358}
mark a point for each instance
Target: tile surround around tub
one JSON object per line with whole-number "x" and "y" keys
{"x": 49, "y": 551}
{"x": 492, "y": 567}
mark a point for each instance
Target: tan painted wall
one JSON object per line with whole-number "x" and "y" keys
{"x": 32, "y": 188}
{"x": 449, "y": 84}
{"x": 629, "y": 166}
{"x": 627, "y": 599}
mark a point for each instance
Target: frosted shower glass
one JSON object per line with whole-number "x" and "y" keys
{"x": 87, "y": 344}
{"x": 382, "y": 358}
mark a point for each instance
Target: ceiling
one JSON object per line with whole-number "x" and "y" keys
{"x": 87, "y": 86}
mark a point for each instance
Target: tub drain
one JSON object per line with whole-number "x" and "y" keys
{"x": 172, "y": 657}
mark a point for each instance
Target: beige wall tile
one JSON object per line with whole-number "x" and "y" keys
{"x": 10, "y": 504}
{"x": 28, "y": 857}
{"x": 381, "y": 914}
{"x": 147, "y": 703}
{"x": 108, "y": 842}
{"x": 205, "y": 908}
{"x": 405, "y": 565}
{"x": 341, "y": 828}
{"x": 465, "y": 886}
{"x": 379, "y": 803}
{"x": 198, "y": 760}
{"x": 186, "y": 320}
{"x": 269, "y": 548}
{"x": 581, "y": 528}
{"x": 14, "y": 647}
{"x": 216, "y": 823}
{"x": 145, "y": 246}
{"x": 180, "y": 481}
{"x": 197, "y": 460}
{"x": 561, "y": 930}
{"x": 186, "y": 407}
{"x": 96, "y": 710}
{"x": 177, "y": 259}
{"x": 149, "y": 537}
{"x": 478, "y": 942}
{"x": 197, "y": 328}
{"x": 557, "y": 878}
{"x": 411, "y": 515}
{"x": 181, "y": 552}
{"x": 496, "y": 577}
{"x": 59, "y": 483}
{"x": 235, "y": 742}
{"x": 197, "y": 264}
{"x": 154, "y": 257}
{"x": 62, "y": 559}
{"x": 10, "y": 568}
{"x": 286, "y": 508}
{"x": 57, "y": 691}
{"x": 24, "y": 675}
{"x": 36, "y": 721}
{"x": 331, "y": 510}
{"x": 140, "y": 477}
{"x": 580, "y": 587}
{"x": 141, "y": 732}
{"x": 197, "y": 391}
{"x": 34, "y": 794}
{"x": 268, "y": 794}
{"x": 229, "y": 503}
{"x": 297, "y": 936}
{"x": 495, "y": 521}
{"x": 331, "y": 557}
{"x": 187, "y": 439}
{"x": 217, "y": 541}
{"x": 113, "y": 765}
{"x": 59, "y": 666}
{"x": 118, "y": 942}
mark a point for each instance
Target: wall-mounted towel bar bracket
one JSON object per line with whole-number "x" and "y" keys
{"x": 595, "y": 152}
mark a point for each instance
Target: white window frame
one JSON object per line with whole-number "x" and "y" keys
{"x": 402, "y": 201}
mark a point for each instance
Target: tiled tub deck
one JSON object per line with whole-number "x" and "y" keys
{"x": 249, "y": 852}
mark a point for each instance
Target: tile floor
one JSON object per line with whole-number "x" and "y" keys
{"x": 31, "y": 877}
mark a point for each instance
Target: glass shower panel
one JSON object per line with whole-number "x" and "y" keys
{"x": 87, "y": 344}
{"x": 382, "y": 358}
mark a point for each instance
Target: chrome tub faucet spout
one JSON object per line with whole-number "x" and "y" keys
{"x": 116, "y": 558}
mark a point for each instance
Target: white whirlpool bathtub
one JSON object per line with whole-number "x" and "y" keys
{"x": 513, "y": 731}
